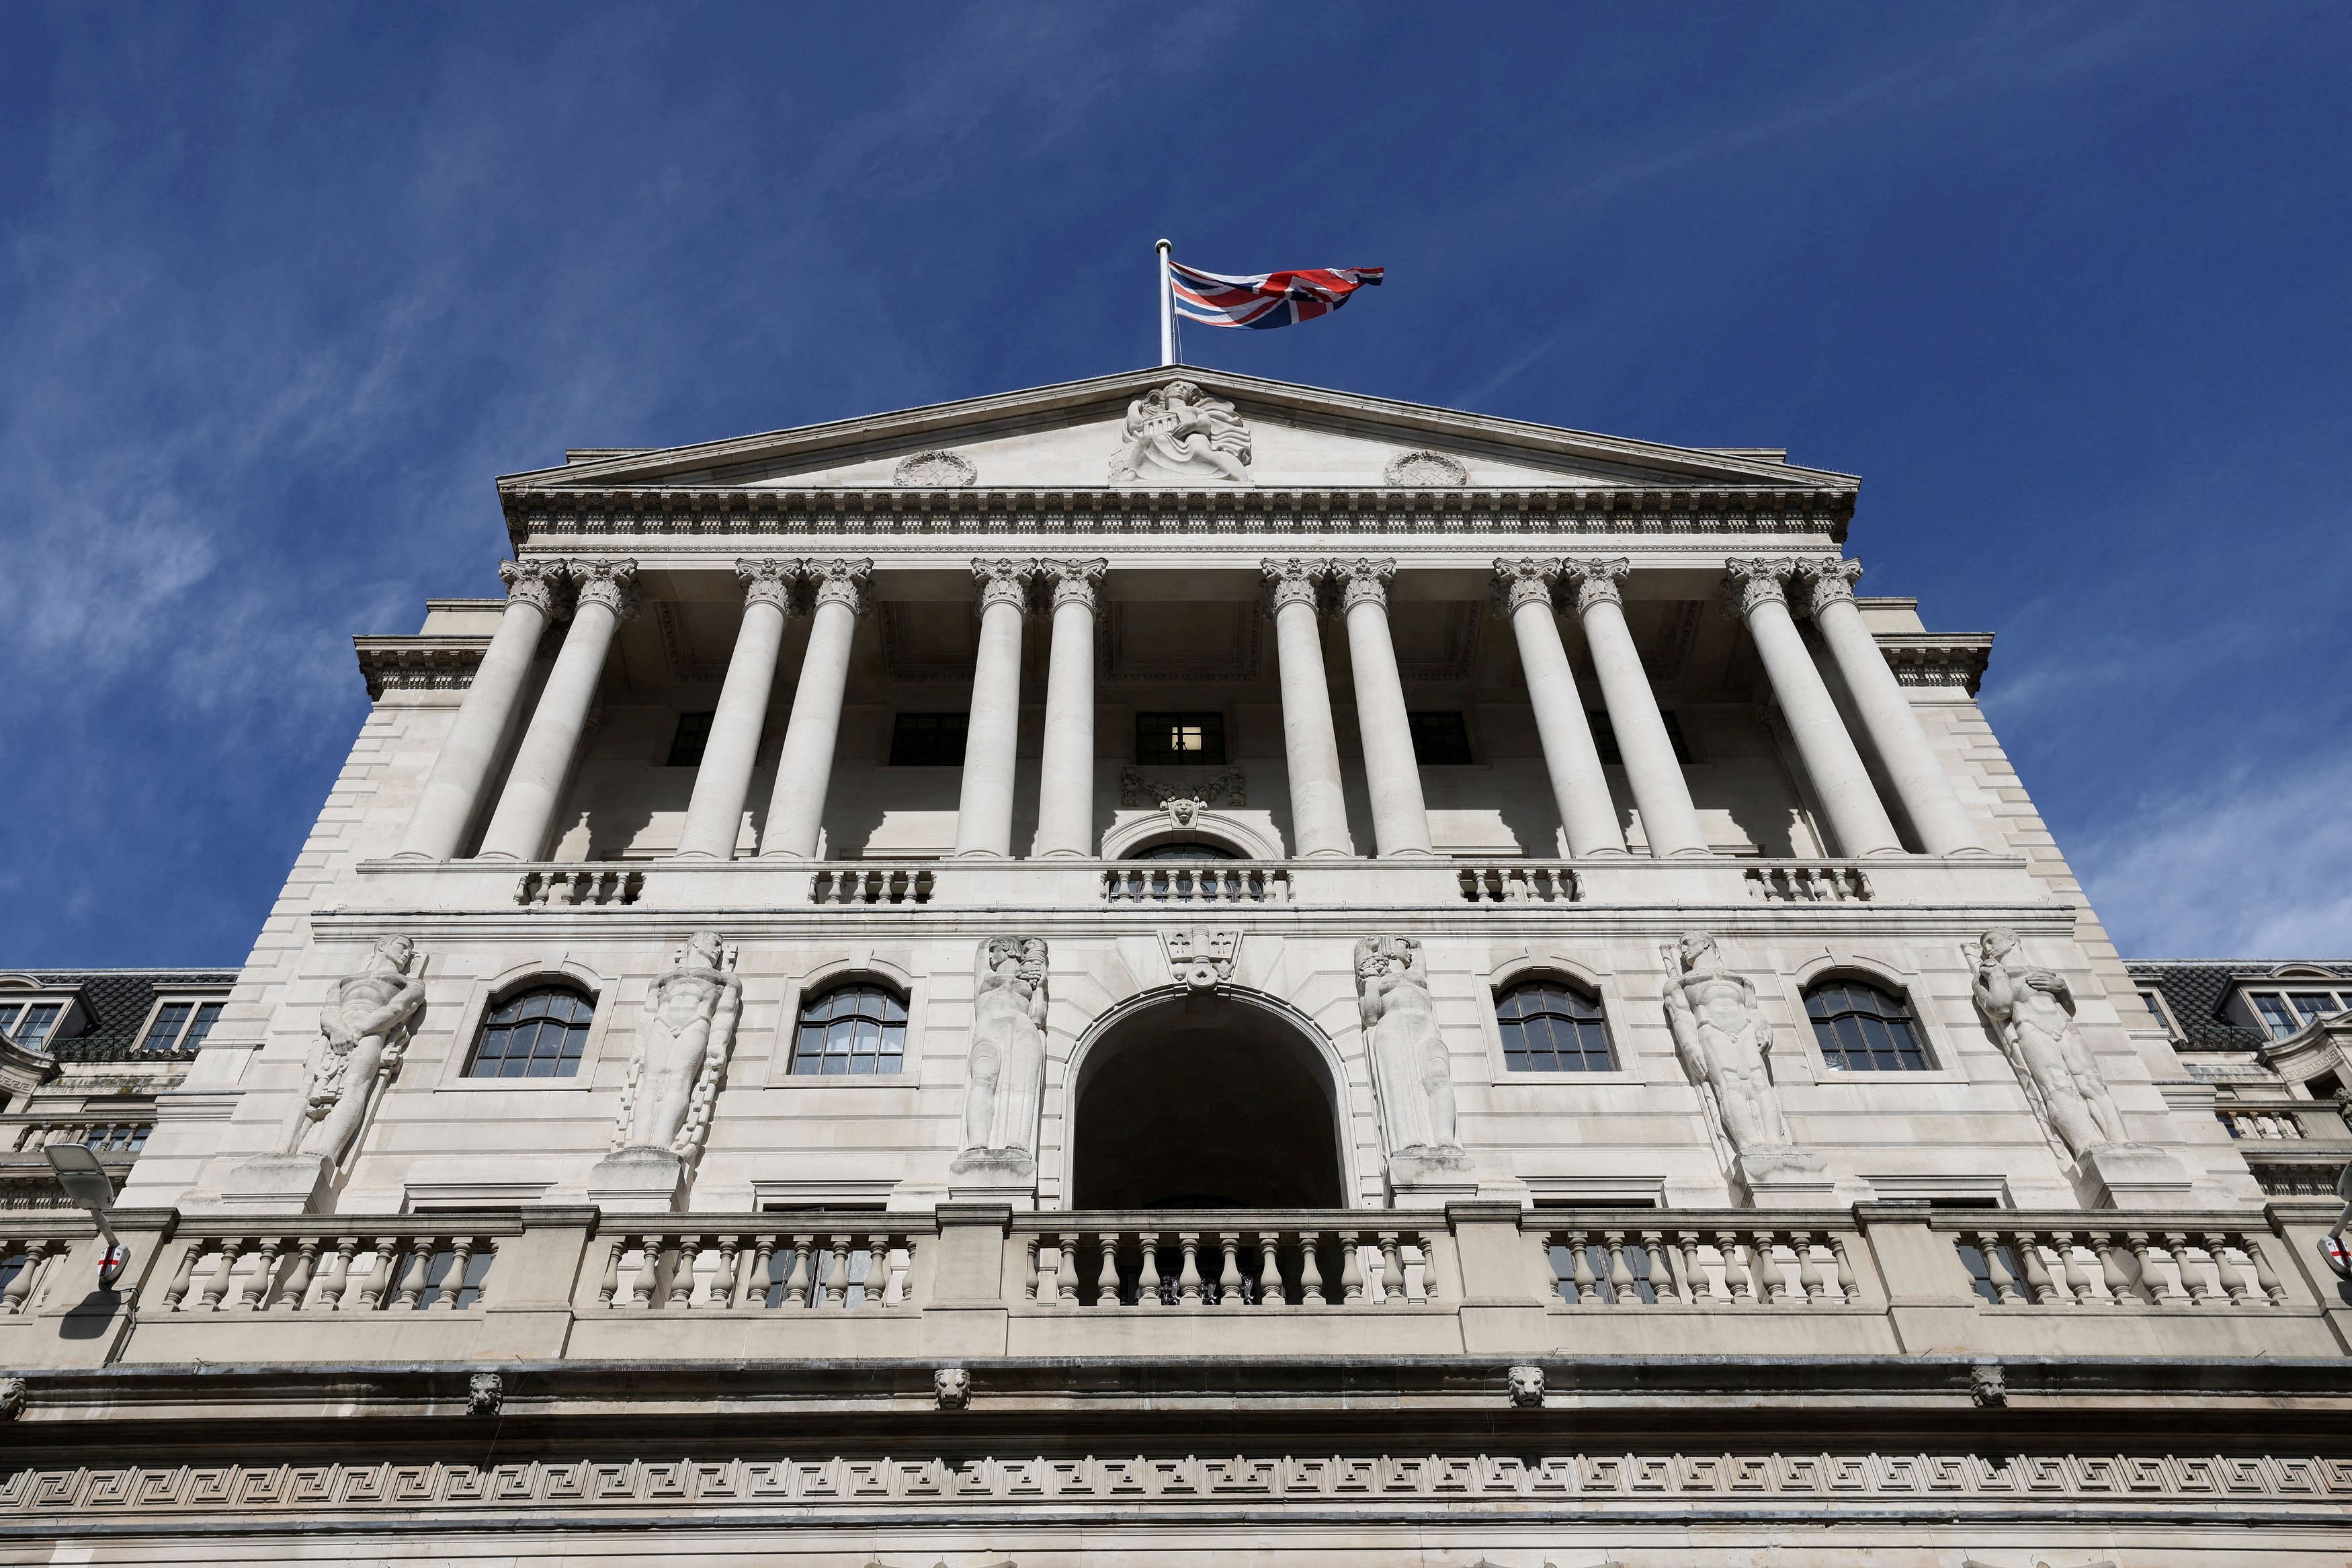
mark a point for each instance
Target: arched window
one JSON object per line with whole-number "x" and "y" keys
{"x": 853, "y": 1028}
{"x": 536, "y": 1033}
{"x": 1549, "y": 1027}
{"x": 1862, "y": 1029}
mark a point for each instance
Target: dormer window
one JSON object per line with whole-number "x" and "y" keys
{"x": 2289, "y": 1012}
{"x": 180, "y": 1025}
{"x": 30, "y": 1024}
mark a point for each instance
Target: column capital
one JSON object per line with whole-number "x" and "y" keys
{"x": 1005, "y": 581}
{"x": 1527, "y": 580}
{"x": 1829, "y": 580}
{"x": 1362, "y": 581}
{"x": 1752, "y": 581}
{"x": 841, "y": 580}
{"x": 538, "y": 583}
{"x": 769, "y": 581}
{"x": 1597, "y": 580}
{"x": 611, "y": 583}
{"x": 1075, "y": 581}
{"x": 1294, "y": 582}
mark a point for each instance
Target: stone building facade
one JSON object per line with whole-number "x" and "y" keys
{"x": 1183, "y": 969}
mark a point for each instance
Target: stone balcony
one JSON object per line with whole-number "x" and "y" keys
{"x": 1486, "y": 1281}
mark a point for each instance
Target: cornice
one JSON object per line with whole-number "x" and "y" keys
{"x": 443, "y": 662}
{"x": 1937, "y": 658}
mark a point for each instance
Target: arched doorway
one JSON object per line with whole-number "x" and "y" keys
{"x": 1205, "y": 1100}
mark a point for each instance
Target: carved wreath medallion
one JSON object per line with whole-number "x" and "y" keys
{"x": 934, "y": 471}
{"x": 1425, "y": 471}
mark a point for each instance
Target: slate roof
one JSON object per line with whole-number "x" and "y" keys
{"x": 2194, "y": 989}
{"x": 117, "y": 1002}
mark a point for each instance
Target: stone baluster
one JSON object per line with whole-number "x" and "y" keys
{"x": 836, "y": 1274}
{"x": 373, "y": 1289}
{"x": 804, "y": 764}
{"x": 723, "y": 1282}
{"x": 2192, "y": 1278}
{"x": 1919, "y": 779}
{"x": 19, "y": 1289}
{"x": 2266, "y": 1279}
{"x": 1696, "y": 1287}
{"x": 1029, "y": 1272}
{"x": 1845, "y": 1275}
{"x": 1392, "y": 1271}
{"x": 1623, "y": 1292}
{"x": 415, "y": 1276}
{"x": 2227, "y": 1276}
{"x": 1738, "y": 1277}
{"x": 722, "y": 782}
{"x": 297, "y": 1284}
{"x": 338, "y": 1278}
{"x": 1997, "y": 1274}
{"x": 1188, "y": 1280}
{"x": 761, "y": 1278}
{"x": 1653, "y": 771}
{"x": 877, "y": 1271}
{"x": 1229, "y": 1277}
{"x": 1808, "y": 1270}
{"x": 1757, "y": 588}
{"x": 1580, "y": 1280}
{"x": 646, "y": 1281}
{"x": 2077, "y": 1282}
{"x": 1106, "y": 1269}
{"x": 605, "y": 596}
{"x": 1391, "y": 771}
{"x": 217, "y": 1286}
{"x": 1663, "y": 1288}
{"x": 1310, "y": 743}
{"x": 1580, "y": 788}
{"x": 682, "y": 1258}
{"x": 177, "y": 1290}
{"x": 610, "y": 1286}
{"x": 453, "y": 790}
{"x": 802, "y": 1285}
{"x": 993, "y": 733}
{"x": 1310, "y": 1270}
{"x": 1066, "y": 790}
{"x": 1147, "y": 1282}
{"x": 1269, "y": 1270}
{"x": 453, "y": 1283}
{"x": 1351, "y": 1270}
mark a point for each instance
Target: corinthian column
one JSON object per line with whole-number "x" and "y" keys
{"x": 1857, "y": 818}
{"x": 1318, "y": 807}
{"x": 606, "y": 595}
{"x": 1391, "y": 771}
{"x": 804, "y": 766}
{"x": 1578, "y": 787}
{"x": 1668, "y": 819}
{"x": 714, "y": 817}
{"x": 1920, "y": 781}
{"x": 452, "y": 791}
{"x": 984, "y": 808}
{"x": 1066, "y": 791}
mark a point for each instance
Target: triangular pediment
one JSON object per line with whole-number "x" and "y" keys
{"x": 1229, "y": 431}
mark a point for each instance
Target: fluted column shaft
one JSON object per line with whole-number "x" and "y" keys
{"x": 1310, "y": 745}
{"x": 453, "y": 790}
{"x": 804, "y": 766}
{"x": 1065, "y": 790}
{"x": 1391, "y": 771}
{"x": 722, "y": 782}
{"x": 1578, "y": 786}
{"x": 607, "y": 596}
{"x": 1857, "y": 818}
{"x": 1669, "y": 821}
{"x": 1919, "y": 779}
{"x": 993, "y": 735}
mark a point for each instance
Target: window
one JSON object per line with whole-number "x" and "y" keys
{"x": 29, "y": 1026}
{"x": 1440, "y": 740}
{"x": 1177, "y": 739}
{"x": 1199, "y": 849}
{"x": 1604, "y": 737}
{"x": 2155, "y": 1009}
{"x": 855, "y": 1029}
{"x": 1862, "y": 1029}
{"x": 693, "y": 734}
{"x": 537, "y": 1033}
{"x": 2285, "y": 1012}
{"x": 1550, "y": 1027}
{"x": 180, "y": 1026}
{"x": 928, "y": 741}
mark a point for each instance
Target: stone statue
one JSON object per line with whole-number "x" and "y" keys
{"x": 363, "y": 1036}
{"x": 1723, "y": 1040}
{"x": 1006, "y": 1086}
{"x": 681, "y": 1050}
{"x": 1410, "y": 1066}
{"x": 2032, "y": 1015}
{"x": 1183, "y": 429}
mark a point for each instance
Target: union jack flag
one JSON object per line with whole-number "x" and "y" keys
{"x": 1267, "y": 298}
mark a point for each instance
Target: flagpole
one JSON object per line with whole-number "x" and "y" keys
{"x": 1167, "y": 311}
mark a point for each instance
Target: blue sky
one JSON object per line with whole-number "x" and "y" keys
{"x": 284, "y": 287}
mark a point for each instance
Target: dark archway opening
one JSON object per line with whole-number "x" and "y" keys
{"x": 1204, "y": 1101}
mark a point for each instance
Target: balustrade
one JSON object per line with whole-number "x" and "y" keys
{"x": 315, "y": 1271}
{"x": 2262, "y": 1122}
{"x": 1196, "y": 881}
{"x": 871, "y": 885}
{"x": 539, "y": 889}
{"x": 842, "y": 1267}
{"x": 2107, "y": 1265}
{"x": 1798, "y": 883}
{"x": 1607, "y": 1262}
{"x": 1516, "y": 883}
{"x": 1216, "y": 1262}
{"x": 101, "y": 1136}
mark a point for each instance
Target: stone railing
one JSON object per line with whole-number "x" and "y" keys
{"x": 603, "y": 886}
{"x": 1800, "y": 883}
{"x": 1516, "y": 882}
{"x": 2262, "y": 1122}
{"x": 120, "y": 1137}
{"x": 1479, "y": 1279}
{"x": 1197, "y": 882}
{"x": 899, "y": 884}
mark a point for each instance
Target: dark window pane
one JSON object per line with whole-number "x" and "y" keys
{"x": 1604, "y": 737}
{"x": 692, "y": 734}
{"x": 1440, "y": 740}
{"x": 164, "y": 1032}
{"x": 1180, "y": 739}
{"x": 928, "y": 741}
{"x": 1861, "y": 1029}
{"x": 206, "y": 1016}
{"x": 859, "y": 1029}
{"x": 1547, "y": 1028}
{"x": 541, "y": 1034}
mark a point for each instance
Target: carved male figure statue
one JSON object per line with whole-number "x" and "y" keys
{"x": 2032, "y": 1014}
{"x": 1410, "y": 1066}
{"x": 681, "y": 1050}
{"x": 363, "y": 1036}
{"x": 1180, "y": 427}
{"x": 1723, "y": 1040}
{"x": 1007, "y": 1071}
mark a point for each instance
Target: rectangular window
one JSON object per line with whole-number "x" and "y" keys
{"x": 2315, "y": 1005}
{"x": 928, "y": 741}
{"x": 693, "y": 734}
{"x": 32, "y": 1027}
{"x": 1604, "y": 737}
{"x": 1440, "y": 740}
{"x": 2276, "y": 1016}
{"x": 1180, "y": 739}
{"x": 207, "y": 1015}
{"x": 164, "y": 1032}
{"x": 2154, "y": 1004}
